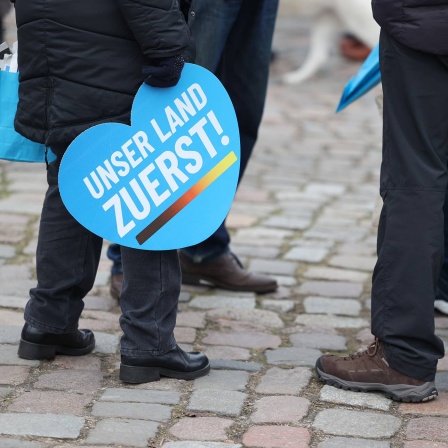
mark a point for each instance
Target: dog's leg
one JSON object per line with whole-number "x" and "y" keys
{"x": 322, "y": 38}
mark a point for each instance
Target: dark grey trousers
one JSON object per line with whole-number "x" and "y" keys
{"x": 67, "y": 262}
{"x": 414, "y": 181}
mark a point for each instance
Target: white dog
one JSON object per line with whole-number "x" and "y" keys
{"x": 331, "y": 17}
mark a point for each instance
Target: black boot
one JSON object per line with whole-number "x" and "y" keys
{"x": 174, "y": 364}
{"x": 36, "y": 344}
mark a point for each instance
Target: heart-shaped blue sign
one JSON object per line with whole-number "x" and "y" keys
{"x": 168, "y": 180}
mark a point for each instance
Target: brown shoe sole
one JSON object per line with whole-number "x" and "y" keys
{"x": 191, "y": 279}
{"x": 397, "y": 392}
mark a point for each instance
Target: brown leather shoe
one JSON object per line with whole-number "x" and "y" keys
{"x": 225, "y": 272}
{"x": 369, "y": 370}
{"x": 116, "y": 285}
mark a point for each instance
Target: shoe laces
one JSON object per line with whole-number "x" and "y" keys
{"x": 371, "y": 351}
{"x": 236, "y": 260}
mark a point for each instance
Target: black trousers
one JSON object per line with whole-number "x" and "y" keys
{"x": 67, "y": 260}
{"x": 413, "y": 186}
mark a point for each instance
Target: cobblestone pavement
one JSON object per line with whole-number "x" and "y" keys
{"x": 304, "y": 213}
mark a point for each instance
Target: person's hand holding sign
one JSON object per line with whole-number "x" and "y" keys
{"x": 164, "y": 72}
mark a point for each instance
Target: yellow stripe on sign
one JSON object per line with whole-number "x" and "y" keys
{"x": 219, "y": 169}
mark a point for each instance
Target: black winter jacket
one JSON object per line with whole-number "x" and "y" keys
{"x": 80, "y": 62}
{"x": 419, "y": 24}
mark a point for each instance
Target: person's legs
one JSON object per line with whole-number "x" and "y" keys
{"x": 413, "y": 185}
{"x": 403, "y": 360}
{"x": 149, "y": 301}
{"x": 63, "y": 280}
{"x": 213, "y": 23}
{"x": 233, "y": 40}
{"x": 149, "y": 305}
{"x": 441, "y": 302}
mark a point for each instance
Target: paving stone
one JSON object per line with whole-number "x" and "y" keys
{"x": 327, "y": 189}
{"x": 328, "y": 321}
{"x": 264, "y": 234}
{"x": 280, "y": 409}
{"x": 284, "y": 280}
{"x": 442, "y": 381}
{"x": 11, "y": 318}
{"x": 77, "y": 381}
{"x": 140, "y": 396}
{"x": 276, "y": 437}
{"x": 285, "y": 222}
{"x": 223, "y": 352}
{"x": 198, "y": 444}
{"x": 5, "y": 391}
{"x": 435, "y": 407}
{"x": 284, "y": 381}
{"x": 326, "y": 305}
{"x": 7, "y": 251}
{"x": 98, "y": 303}
{"x": 307, "y": 254}
{"x": 226, "y": 364}
{"x": 342, "y": 422}
{"x": 365, "y": 336}
{"x": 267, "y": 319}
{"x": 255, "y": 340}
{"x": 184, "y": 296}
{"x": 273, "y": 267}
{"x": 14, "y": 375}
{"x": 442, "y": 364}
{"x": 201, "y": 428}
{"x": 185, "y": 335}
{"x": 10, "y": 301}
{"x": 214, "y": 302}
{"x": 367, "y": 400}
{"x": 10, "y": 334}
{"x": 326, "y": 273}
{"x": 293, "y": 356}
{"x": 41, "y": 425}
{"x": 223, "y": 380}
{"x": 8, "y": 356}
{"x": 88, "y": 362}
{"x": 165, "y": 384}
{"x": 256, "y": 251}
{"x": 141, "y": 411}
{"x": 428, "y": 428}
{"x": 320, "y": 341}
{"x": 50, "y": 402}
{"x": 106, "y": 343}
{"x": 97, "y": 325}
{"x": 279, "y": 306}
{"x": 344, "y": 442}
{"x": 14, "y": 443}
{"x": 331, "y": 289}
{"x": 336, "y": 234}
{"x": 16, "y": 281}
{"x": 354, "y": 262}
{"x": 425, "y": 444}
{"x": 125, "y": 432}
{"x": 191, "y": 319}
{"x": 214, "y": 400}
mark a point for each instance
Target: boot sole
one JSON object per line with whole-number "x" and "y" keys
{"x": 191, "y": 279}
{"x": 137, "y": 375}
{"x": 29, "y": 350}
{"x": 398, "y": 392}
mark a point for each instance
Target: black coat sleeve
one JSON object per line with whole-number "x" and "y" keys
{"x": 158, "y": 26}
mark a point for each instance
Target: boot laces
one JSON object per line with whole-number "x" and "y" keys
{"x": 371, "y": 351}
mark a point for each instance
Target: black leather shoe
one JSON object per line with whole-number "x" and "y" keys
{"x": 225, "y": 272}
{"x": 36, "y": 344}
{"x": 174, "y": 364}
